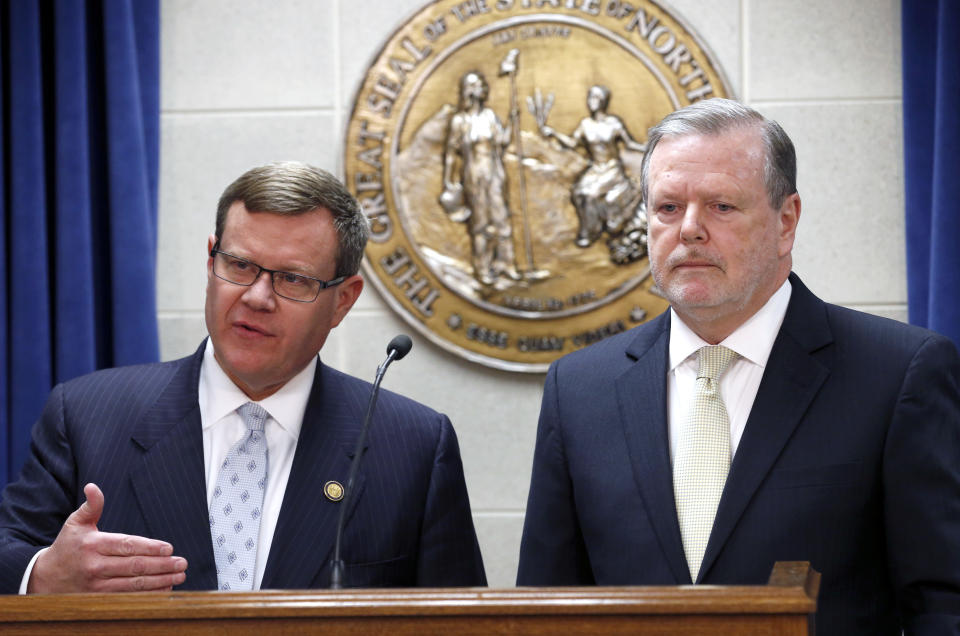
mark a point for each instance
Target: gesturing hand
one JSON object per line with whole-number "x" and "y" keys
{"x": 83, "y": 559}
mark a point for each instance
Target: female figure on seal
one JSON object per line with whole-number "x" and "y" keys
{"x": 604, "y": 196}
{"x": 477, "y": 138}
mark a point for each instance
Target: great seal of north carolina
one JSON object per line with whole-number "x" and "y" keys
{"x": 495, "y": 147}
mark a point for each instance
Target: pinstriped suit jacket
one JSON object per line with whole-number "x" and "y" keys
{"x": 135, "y": 432}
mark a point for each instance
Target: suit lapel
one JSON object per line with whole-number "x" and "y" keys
{"x": 169, "y": 481}
{"x": 790, "y": 382}
{"x": 642, "y": 396}
{"x": 306, "y": 528}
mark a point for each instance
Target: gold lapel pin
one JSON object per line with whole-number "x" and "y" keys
{"x": 333, "y": 490}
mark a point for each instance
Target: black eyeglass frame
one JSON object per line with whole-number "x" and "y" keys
{"x": 324, "y": 284}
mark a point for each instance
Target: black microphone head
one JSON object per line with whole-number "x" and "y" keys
{"x": 401, "y": 345}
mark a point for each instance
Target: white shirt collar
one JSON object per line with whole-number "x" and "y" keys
{"x": 219, "y": 396}
{"x": 753, "y": 340}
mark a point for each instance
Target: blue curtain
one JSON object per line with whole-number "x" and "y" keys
{"x": 931, "y": 120}
{"x": 79, "y": 123}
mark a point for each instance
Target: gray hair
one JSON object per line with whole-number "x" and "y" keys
{"x": 717, "y": 115}
{"x": 290, "y": 188}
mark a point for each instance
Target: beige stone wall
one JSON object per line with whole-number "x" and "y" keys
{"x": 246, "y": 82}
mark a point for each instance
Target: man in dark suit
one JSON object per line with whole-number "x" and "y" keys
{"x": 226, "y": 469}
{"x": 751, "y": 423}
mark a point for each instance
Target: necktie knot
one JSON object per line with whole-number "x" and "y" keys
{"x": 713, "y": 361}
{"x": 254, "y": 416}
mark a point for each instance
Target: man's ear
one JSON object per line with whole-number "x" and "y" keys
{"x": 211, "y": 241}
{"x": 789, "y": 216}
{"x": 347, "y": 293}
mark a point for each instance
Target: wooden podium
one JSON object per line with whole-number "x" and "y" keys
{"x": 784, "y": 606}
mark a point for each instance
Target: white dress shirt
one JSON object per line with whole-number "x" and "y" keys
{"x": 223, "y": 427}
{"x": 753, "y": 340}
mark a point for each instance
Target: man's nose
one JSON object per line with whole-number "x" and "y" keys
{"x": 692, "y": 228}
{"x": 260, "y": 294}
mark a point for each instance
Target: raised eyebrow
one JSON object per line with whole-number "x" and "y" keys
{"x": 284, "y": 270}
{"x": 236, "y": 256}
{"x": 294, "y": 272}
{"x": 299, "y": 272}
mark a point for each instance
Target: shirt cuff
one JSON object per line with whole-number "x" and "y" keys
{"x": 26, "y": 576}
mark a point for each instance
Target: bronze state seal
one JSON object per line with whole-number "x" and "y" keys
{"x": 496, "y": 146}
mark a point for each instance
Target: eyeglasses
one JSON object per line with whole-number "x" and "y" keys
{"x": 240, "y": 271}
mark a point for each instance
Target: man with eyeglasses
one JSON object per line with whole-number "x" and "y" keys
{"x": 225, "y": 470}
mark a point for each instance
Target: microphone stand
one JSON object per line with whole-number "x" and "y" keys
{"x": 397, "y": 348}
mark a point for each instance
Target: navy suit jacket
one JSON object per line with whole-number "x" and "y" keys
{"x": 850, "y": 460}
{"x": 136, "y": 432}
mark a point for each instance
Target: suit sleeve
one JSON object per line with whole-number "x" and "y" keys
{"x": 449, "y": 554}
{"x": 552, "y": 550}
{"x": 921, "y": 478}
{"x": 35, "y": 506}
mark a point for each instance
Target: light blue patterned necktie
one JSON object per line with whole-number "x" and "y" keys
{"x": 235, "y": 509}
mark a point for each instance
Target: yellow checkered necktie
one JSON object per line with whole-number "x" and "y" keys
{"x": 702, "y": 459}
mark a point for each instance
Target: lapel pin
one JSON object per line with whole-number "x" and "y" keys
{"x": 333, "y": 490}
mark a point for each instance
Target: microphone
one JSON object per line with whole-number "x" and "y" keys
{"x": 399, "y": 346}
{"x": 397, "y": 349}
